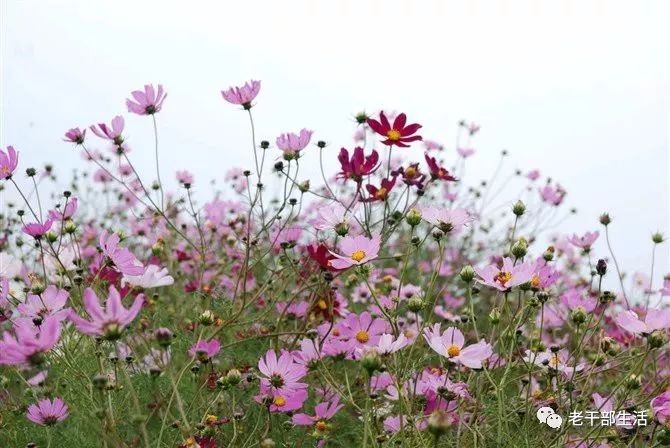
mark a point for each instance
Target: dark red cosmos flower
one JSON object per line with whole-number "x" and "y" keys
{"x": 321, "y": 255}
{"x": 411, "y": 175}
{"x": 399, "y": 134}
{"x": 358, "y": 165}
{"x": 202, "y": 442}
{"x": 381, "y": 193}
{"x": 436, "y": 171}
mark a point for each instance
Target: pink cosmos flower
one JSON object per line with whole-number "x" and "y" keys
{"x": 451, "y": 343}
{"x": 361, "y": 330}
{"x": 665, "y": 291}
{"x": 109, "y": 322}
{"x": 308, "y": 354}
{"x": 152, "y": 277}
{"x": 29, "y": 344}
{"x": 120, "y": 258}
{"x": 356, "y": 250}
{"x": 66, "y": 213}
{"x": 184, "y": 177}
{"x": 574, "y": 299}
{"x": 655, "y": 319}
{"x": 387, "y": 344}
{"x": 552, "y": 195}
{"x": 292, "y": 143}
{"x": 465, "y": 152}
{"x": 533, "y": 175}
{"x": 242, "y": 95}
{"x": 660, "y": 405}
{"x": 446, "y": 220}
{"x": 49, "y": 304}
{"x": 112, "y": 132}
{"x": 75, "y": 135}
{"x": 148, "y": 102}
{"x": 47, "y": 412}
{"x": 37, "y": 229}
{"x": 282, "y": 401}
{"x": 281, "y": 376}
{"x": 585, "y": 241}
{"x": 506, "y": 277}
{"x": 8, "y": 162}
{"x": 554, "y": 360}
{"x": 205, "y": 350}
{"x": 322, "y": 412}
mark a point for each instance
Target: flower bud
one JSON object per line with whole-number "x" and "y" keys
{"x": 656, "y": 339}
{"x": 233, "y": 377}
{"x": 163, "y": 336}
{"x": 267, "y": 443}
{"x": 601, "y": 267}
{"x": 519, "y": 208}
{"x": 579, "y": 315}
{"x": 415, "y": 304}
{"x": 70, "y": 227}
{"x": 207, "y": 317}
{"x": 520, "y": 248}
{"x": 304, "y": 187}
{"x": 51, "y": 236}
{"x": 607, "y": 297}
{"x": 605, "y": 219}
{"x": 371, "y": 361}
{"x": 342, "y": 229}
{"x": 467, "y": 274}
{"x": 494, "y": 316}
{"x": 413, "y": 217}
{"x": 438, "y": 423}
{"x": 633, "y": 381}
{"x": 657, "y": 238}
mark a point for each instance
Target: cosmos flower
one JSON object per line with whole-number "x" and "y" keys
{"x": 358, "y": 165}
{"x": 112, "y": 132}
{"x": 8, "y": 162}
{"x": 292, "y": 143}
{"x": 361, "y": 330}
{"x": 356, "y": 250}
{"x": 75, "y": 135}
{"x": 47, "y": 412}
{"x": 509, "y": 276}
{"x": 451, "y": 344}
{"x": 660, "y": 405}
{"x": 437, "y": 171}
{"x": 66, "y": 213}
{"x": 382, "y": 193}
{"x": 29, "y": 344}
{"x": 48, "y": 304}
{"x": 655, "y": 319}
{"x": 398, "y": 134}
{"x": 153, "y": 277}
{"x": 37, "y": 229}
{"x": 322, "y": 413}
{"x": 120, "y": 258}
{"x": 205, "y": 350}
{"x": 242, "y": 95}
{"x": 585, "y": 241}
{"x": 147, "y": 102}
{"x": 109, "y": 322}
{"x": 465, "y": 152}
{"x": 446, "y": 220}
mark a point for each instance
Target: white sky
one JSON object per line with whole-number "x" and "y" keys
{"x": 578, "y": 89}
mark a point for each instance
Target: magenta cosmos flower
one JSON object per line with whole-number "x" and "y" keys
{"x": 292, "y": 143}
{"x": 660, "y": 405}
{"x": 585, "y": 241}
{"x": 451, "y": 344}
{"x": 47, "y": 412}
{"x": 356, "y": 250}
{"x": 30, "y": 343}
{"x": 75, "y": 135}
{"x": 358, "y": 165}
{"x": 8, "y": 162}
{"x": 205, "y": 350}
{"x": 112, "y": 132}
{"x": 147, "y": 102}
{"x": 66, "y": 213}
{"x": 506, "y": 277}
{"x": 37, "y": 229}
{"x": 120, "y": 258}
{"x": 654, "y": 320}
{"x": 361, "y": 330}
{"x": 242, "y": 95}
{"x": 110, "y": 322}
{"x": 281, "y": 375}
{"x": 322, "y": 413}
{"x": 398, "y": 134}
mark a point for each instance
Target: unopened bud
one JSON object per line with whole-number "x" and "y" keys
{"x": 519, "y": 208}
{"x": 467, "y": 274}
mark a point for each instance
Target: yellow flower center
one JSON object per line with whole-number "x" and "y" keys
{"x": 381, "y": 193}
{"x": 4, "y": 170}
{"x": 336, "y": 332}
{"x": 358, "y": 255}
{"x": 362, "y": 336}
{"x": 393, "y": 135}
{"x": 410, "y": 171}
{"x": 453, "y": 350}
{"x": 503, "y": 277}
{"x": 535, "y": 281}
{"x": 321, "y": 304}
{"x": 189, "y": 442}
{"x": 279, "y": 401}
{"x": 211, "y": 419}
{"x": 321, "y": 426}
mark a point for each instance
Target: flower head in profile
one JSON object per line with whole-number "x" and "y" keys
{"x": 507, "y": 276}
{"x": 153, "y": 277}
{"x": 292, "y": 143}
{"x": 48, "y": 304}
{"x": 112, "y": 132}
{"x": 146, "y": 102}
{"x": 75, "y": 135}
{"x": 120, "y": 258}
{"x": 110, "y": 321}
{"x": 446, "y": 220}
{"x": 356, "y": 250}
{"x": 437, "y": 171}
{"x": 451, "y": 344}
{"x": 585, "y": 241}
{"x": 660, "y": 405}
{"x": 66, "y": 213}
{"x": 465, "y": 152}
{"x": 358, "y": 165}
{"x": 243, "y": 95}
{"x": 37, "y": 229}
{"x": 322, "y": 413}
{"x": 8, "y": 162}
{"x": 47, "y": 412}
{"x": 654, "y": 320}
{"x": 398, "y": 134}
{"x": 205, "y": 350}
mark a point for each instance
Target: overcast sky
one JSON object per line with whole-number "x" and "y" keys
{"x": 577, "y": 89}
